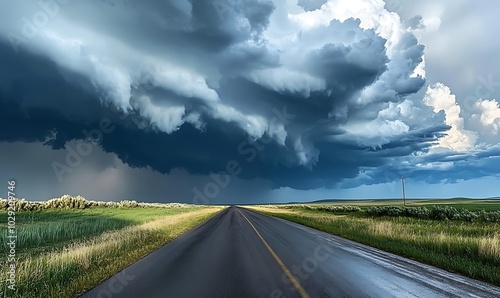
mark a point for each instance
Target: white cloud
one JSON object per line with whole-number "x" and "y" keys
{"x": 204, "y": 62}
{"x": 165, "y": 118}
{"x": 254, "y": 125}
{"x": 111, "y": 79}
{"x": 371, "y": 13}
{"x": 489, "y": 114}
{"x": 439, "y": 97}
{"x": 282, "y": 79}
{"x": 377, "y": 132}
{"x": 307, "y": 155}
{"x": 183, "y": 82}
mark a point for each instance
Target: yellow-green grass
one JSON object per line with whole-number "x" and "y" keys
{"x": 471, "y": 249}
{"x": 471, "y": 204}
{"x": 77, "y": 264}
{"x": 51, "y": 229}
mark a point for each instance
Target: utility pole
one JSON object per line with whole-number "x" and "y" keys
{"x": 404, "y": 194}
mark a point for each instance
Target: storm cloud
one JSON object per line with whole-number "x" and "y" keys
{"x": 306, "y": 95}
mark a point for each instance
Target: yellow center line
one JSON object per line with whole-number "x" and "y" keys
{"x": 295, "y": 282}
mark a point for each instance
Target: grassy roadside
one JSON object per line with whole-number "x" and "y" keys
{"x": 50, "y": 230}
{"x": 471, "y": 249}
{"x": 84, "y": 247}
{"x": 470, "y": 204}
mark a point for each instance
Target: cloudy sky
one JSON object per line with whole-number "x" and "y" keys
{"x": 231, "y": 101}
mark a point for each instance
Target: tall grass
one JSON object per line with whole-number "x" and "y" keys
{"x": 75, "y": 261}
{"x": 43, "y": 230}
{"x": 469, "y": 248}
{"x": 436, "y": 212}
{"x": 79, "y": 202}
{"x": 490, "y": 246}
{"x": 471, "y": 204}
{"x": 440, "y": 212}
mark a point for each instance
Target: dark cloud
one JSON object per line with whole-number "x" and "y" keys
{"x": 189, "y": 86}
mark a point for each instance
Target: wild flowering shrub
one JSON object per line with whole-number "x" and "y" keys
{"x": 444, "y": 212}
{"x": 493, "y": 216}
{"x": 79, "y": 202}
{"x": 417, "y": 212}
{"x": 339, "y": 209}
{"x": 328, "y": 208}
{"x": 436, "y": 212}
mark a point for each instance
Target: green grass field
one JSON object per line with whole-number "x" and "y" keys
{"x": 48, "y": 230}
{"x": 63, "y": 252}
{"x": 471, "y": 204}
{"x": 469, "y": 248}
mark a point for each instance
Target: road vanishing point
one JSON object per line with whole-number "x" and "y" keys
{"x": 240, "y": 253}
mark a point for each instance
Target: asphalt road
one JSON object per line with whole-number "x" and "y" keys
{"x": 240, "y": 253}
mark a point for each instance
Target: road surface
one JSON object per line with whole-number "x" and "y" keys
{"x": 241, "y": 253}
